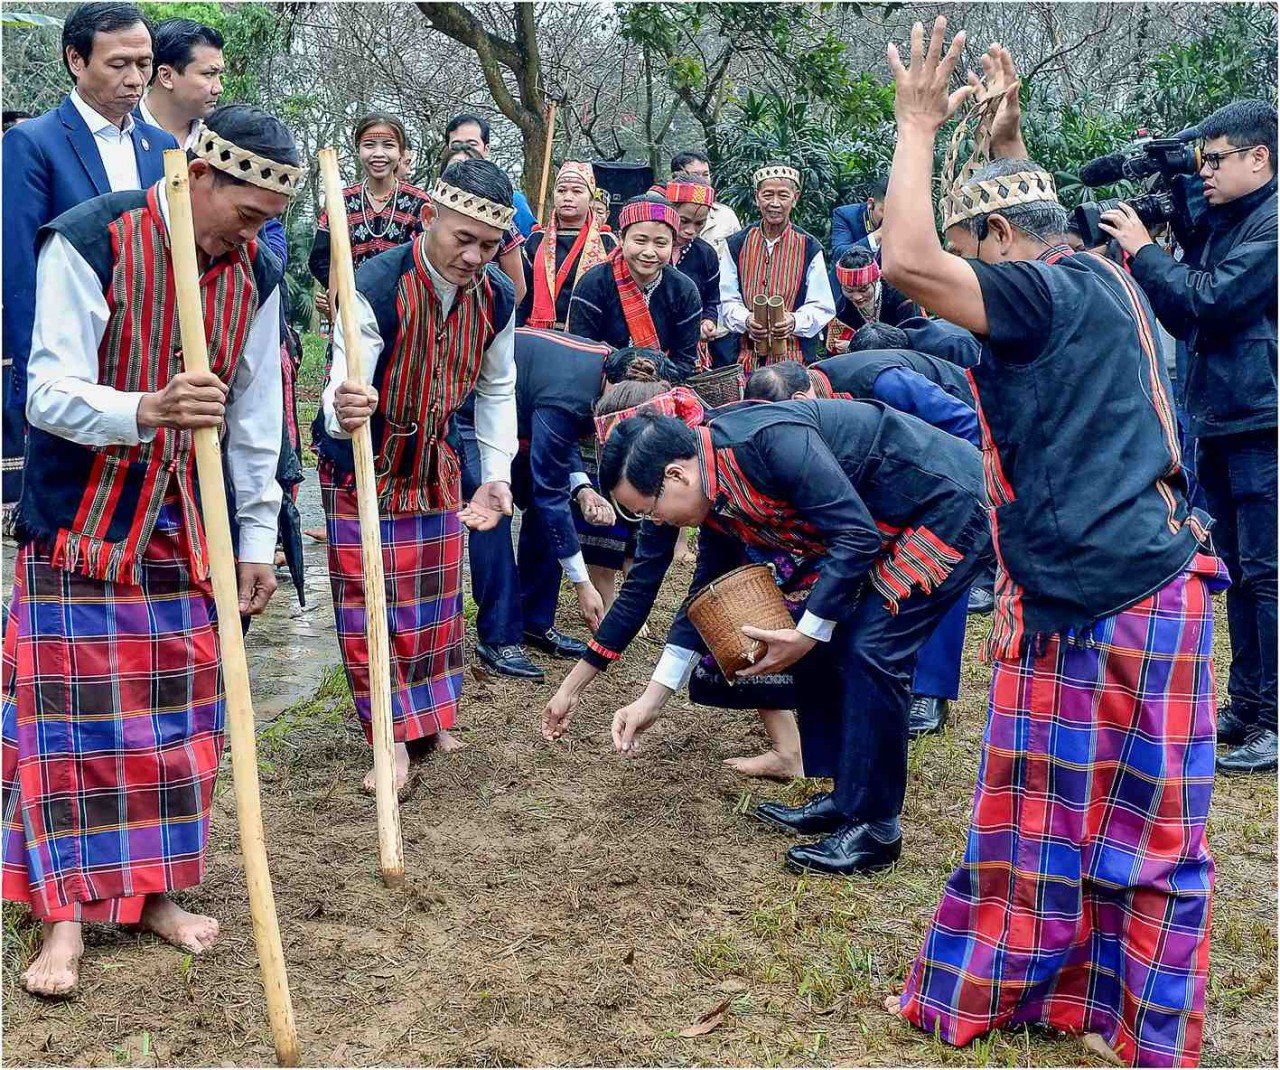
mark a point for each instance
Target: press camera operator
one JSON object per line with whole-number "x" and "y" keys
{"x": 1221, "y": 302}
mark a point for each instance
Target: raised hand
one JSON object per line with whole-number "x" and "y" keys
{"x": 922, "y": 96}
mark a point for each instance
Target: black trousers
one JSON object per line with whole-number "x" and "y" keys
{"x": 1238, "y": 475}
{"x": 853, "y": 693}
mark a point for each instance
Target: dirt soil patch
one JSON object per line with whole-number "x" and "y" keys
{"x": 567, "y": 906}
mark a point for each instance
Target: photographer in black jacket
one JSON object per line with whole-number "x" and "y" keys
{"x": 1221, "y": 301}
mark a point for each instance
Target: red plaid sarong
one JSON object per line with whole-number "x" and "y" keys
{"x": 422, "y": 561}
{"x": 1083, "y": 899}
{"x": 112, "y": 733}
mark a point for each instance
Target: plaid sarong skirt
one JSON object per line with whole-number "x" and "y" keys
{"x": 112, "y": 733}
{"x": 422, "y": 562}
{"x": 1083, "y": 899}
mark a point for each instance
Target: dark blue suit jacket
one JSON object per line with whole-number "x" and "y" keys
{"x": 848, "y": 227}
{"x": 51, "y": 164}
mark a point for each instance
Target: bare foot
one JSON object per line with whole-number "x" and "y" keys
{"x": 319, "y": 534}
{"x": 55, "y": 971}
{"x": 893, "y": 1004}
{"x": 773, "y": 764}
{"x": 370, "y": 786}
{"x": 1099, "y": 1047}
{"x": 447, "y": 742}
{"x": 191, "y": 932}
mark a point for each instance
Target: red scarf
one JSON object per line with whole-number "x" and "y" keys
{"x": 635, "y": 309}
{"x": 587, "y": 252}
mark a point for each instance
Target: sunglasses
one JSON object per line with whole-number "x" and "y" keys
{"x": 1214, "y": 159}
{"x": 636, "y": 518}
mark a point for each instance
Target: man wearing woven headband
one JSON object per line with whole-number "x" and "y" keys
{"x": 436, "y": 319}
{"x": 822, "y": 481}
{"x": 561, "y": 253}
{"x": 637, "y": 298}
{"x": 865, "y": 297}
{"x": 383, "y": 210}
{"x": 1099, "y": 750}
{"x": 776, "y": 259}
{"x": 113, "y": 563}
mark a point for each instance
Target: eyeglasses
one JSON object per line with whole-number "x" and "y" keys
{"x": 636, "y": 518}
{"x": 1214, "y": 159}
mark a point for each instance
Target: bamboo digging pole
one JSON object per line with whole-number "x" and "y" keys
{"x": 343, "y": 278}
{"x": 546, "y": 163}
{"x": 235, "y": 669}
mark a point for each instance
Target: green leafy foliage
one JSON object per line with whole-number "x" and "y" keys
{"x": 838, "y": 151}
{"x": 253, "y": 38}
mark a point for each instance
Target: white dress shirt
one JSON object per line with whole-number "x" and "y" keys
{"x": 115, "y": 146}
{"x": 819, "y": 306}
{"x": 65, "y": 398}
{"x": 148, "y": 117}
{"x": 721, "y": 225}
{"x": 495, "y": 388}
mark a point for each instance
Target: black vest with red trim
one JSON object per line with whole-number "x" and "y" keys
{"x": 97, "y": 506}
{"x": 854, "y": 374}
{"x": 779, "y": 285}
{"x": 922, "y": 487}
{"x": 427, "y": 368}
{"x": 1082, "y": 461}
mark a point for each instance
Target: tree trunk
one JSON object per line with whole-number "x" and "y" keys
{"x": 527, "y": 107}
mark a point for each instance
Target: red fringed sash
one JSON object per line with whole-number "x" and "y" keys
{"x": 635, "y": 309}
{"x": 587, "y": 252}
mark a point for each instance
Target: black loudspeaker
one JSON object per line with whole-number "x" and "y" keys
{"x": 623, "y": 181}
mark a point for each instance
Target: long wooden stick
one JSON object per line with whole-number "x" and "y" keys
{"x": 546, "y": 163}
{"x": 343, "y": 280}
{"x": 235, "y": 669}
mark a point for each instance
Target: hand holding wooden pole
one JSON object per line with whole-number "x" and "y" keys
{"x": 235, "y": 669}
{"x": 343, "y": 279}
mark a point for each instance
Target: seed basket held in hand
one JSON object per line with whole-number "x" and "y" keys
{"x": 747, "y": 595}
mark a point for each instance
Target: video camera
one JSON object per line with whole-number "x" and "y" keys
{"x": 1173, "y": 163}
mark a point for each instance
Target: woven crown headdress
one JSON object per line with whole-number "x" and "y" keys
{"x": 980, "y": 196}
{"x": 962, "y": 197}
{"x": 776, "y": 171}
{"x": 231, "y": 159}
{"x": 473, "y": 205}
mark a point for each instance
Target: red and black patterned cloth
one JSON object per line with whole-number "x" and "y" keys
{"x": 399, "y": 221}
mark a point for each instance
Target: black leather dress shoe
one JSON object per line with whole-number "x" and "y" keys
{"x": 1257, "y": 755}
{"x": 1233, "y": 729}
{"x": 981, "y": 601}
{"x": 927, "y": 716}
{"x": 509, "y": 660}
{"x": 816, "y": 817}
{"x": 556, "y": 643}
{"x": 846, "y": 853}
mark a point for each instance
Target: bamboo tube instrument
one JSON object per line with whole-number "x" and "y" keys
{"x": 235, "y": 669}
{"x": 760, "y": 311}
{"x": 342, "y": 270}
{"x": 777, "y": 338}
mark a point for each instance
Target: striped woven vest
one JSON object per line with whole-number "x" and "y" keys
{"x": 140, "y": 352}
{"x": 433, "y": 366}
{"x": 773, "y": 273}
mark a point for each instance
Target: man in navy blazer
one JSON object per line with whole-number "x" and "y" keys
{"x": 851, "y": 223}
{"x": 87, "y": 146}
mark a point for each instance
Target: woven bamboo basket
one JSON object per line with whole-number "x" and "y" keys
{"x": 747, "y": 595}
{"x": 719, "y": 386}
